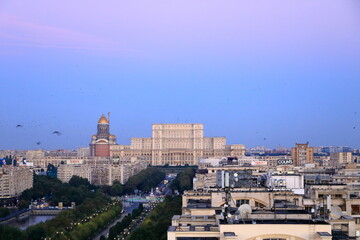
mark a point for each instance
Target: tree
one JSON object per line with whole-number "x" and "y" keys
{"x": 88, "y": 202}
{"x": 116, "y": 189}
{"x": 156, "y": 224}
{"x": 77, "y": 181}
{"x": 4, "y": 211}
{"x": 8, "y": 232}
{"x": 183, "y": 180}
{"x": 22, "y": 204}
{"x": 36, "y": 232}
{"x": 144, "y": 180}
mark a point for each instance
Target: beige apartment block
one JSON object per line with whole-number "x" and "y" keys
{"x": 302, "y": 154}
{"x": 101, "y": 171}
{"x": 324, "y": 198}
{"x": 67, "y": 171}
{"x": 43, "y": 162}
{"x": 202, "y": 218}
{"x": 177, "y": 144}
{"x": 257, "y": 198}
{"x": 34, "y": 154}
{"x": 274, "y": 161}
{"x": 278, "y": 231}
{"x": 340, "y": 158}
{"x": 14, "y": 180}
{"x": 83, "y": 152}
{"x": 350, "y": 175}
{"x": 206, "y": 177}
{"x": 4, "y": 153}
{"x": 100, "y": 174}
{"x": 322, "y": 160}
{"x": 126, "y": 169}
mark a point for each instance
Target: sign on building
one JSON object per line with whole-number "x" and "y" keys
{"x": 284, "y": 162}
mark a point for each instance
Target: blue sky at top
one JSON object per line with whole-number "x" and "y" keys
{"x": 287, "y": 71}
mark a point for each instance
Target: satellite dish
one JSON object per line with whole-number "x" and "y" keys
{"x": 245, "y": 210}
{"x": 335, "y": 212}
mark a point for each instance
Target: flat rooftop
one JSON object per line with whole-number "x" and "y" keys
{"x": 277, "y": 221}
{"x": 206, "y": 228}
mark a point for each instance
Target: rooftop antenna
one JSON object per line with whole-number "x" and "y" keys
{"x": 225, "y": 184}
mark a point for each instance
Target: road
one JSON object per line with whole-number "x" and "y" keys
{"x": 164, "y": 191}
{"x": 127, "y": 209}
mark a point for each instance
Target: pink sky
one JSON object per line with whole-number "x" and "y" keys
{"x": 175, "y": 26}
{"x": 282, "y": 70}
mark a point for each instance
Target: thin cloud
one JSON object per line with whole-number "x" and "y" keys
{"x": 67, "y": 47}
{"x": 17, "y": 32}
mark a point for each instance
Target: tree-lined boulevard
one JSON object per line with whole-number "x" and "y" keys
{"x": 101, "y": 211}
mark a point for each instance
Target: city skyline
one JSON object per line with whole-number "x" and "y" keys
{"x": 259, "y": 73}
{"x": 129, "y": 141}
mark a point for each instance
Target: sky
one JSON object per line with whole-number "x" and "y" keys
{"x": 259, "y": 72}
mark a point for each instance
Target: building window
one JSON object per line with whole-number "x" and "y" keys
{"x": 355, "y": 209}
{"x": 240, "y": 202}
{"x": 258, "y": 204}
{"x": 274, "y": 238}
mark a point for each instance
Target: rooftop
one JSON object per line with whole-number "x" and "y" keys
{"x": 197, "y": 228}
{"x": 277, "y": 221}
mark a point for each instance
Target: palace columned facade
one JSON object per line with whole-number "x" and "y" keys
{"x": 173, "y": 144}
{"x": 176, "y": 145}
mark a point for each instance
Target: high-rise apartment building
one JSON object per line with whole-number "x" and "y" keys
{"x": 67, "y": 171}
{"x": 15, "y": 180}
{"x": 302, "y": 154}
{"x": 100, "y": 171}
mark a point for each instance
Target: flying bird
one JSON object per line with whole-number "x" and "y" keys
{"x": 38, "y": 143}
{"x": 264, "y": 138}
{"x": 17, "y": 126}
{"x": 57, "y": 133}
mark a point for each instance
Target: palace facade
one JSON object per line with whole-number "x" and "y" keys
{"x": 176, "y": 145}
